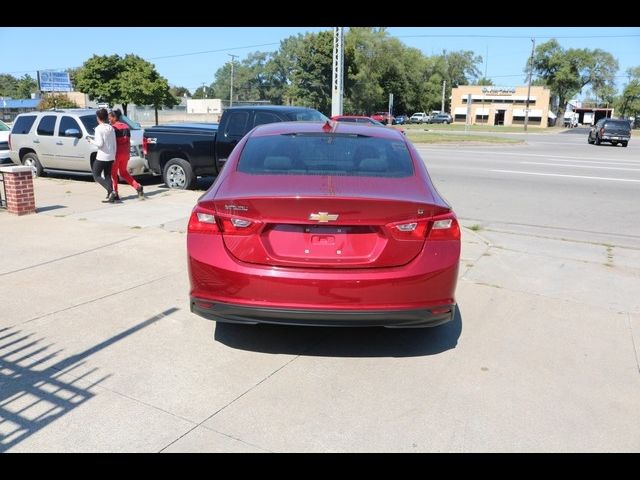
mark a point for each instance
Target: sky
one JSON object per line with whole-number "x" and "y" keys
{"x": 190, "y": 56}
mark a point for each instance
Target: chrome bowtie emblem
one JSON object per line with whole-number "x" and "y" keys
{"x": 323, "y": 217}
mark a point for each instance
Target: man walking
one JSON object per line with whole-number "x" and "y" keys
{"x": 105, "y": 140}
{"x": 123, "y": 145}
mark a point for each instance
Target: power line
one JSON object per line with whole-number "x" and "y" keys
{"x": 163, "y": 56}
{"x": 429, "y": 35}
{"x": 214, "y": 51}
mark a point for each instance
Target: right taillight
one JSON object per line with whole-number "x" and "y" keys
{"x": 440, "y": 227}
{"x": 444, "y": 227}
{"x": 10, "y": 142}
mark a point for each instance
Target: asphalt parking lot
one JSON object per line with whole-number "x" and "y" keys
{"x": 99, "y": 352}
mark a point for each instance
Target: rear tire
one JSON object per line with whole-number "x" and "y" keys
{"x": 31, "y": 160}
{"x": 178, "y": 174}
{"x": 624, "y": 144}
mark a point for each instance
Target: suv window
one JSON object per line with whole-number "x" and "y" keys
{"x": 23, "y": 124}
{"x": 90, "y": 123}
{"x": 624, "y": 124}
{"x": 47, "y": 125}
{"x": 67, "y": 123}
{"x": 265, "y": 117}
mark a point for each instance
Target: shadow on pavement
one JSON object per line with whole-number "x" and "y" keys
{"x": 49, "y": 207}
{"x": 30, "y": 399}
{"x": 576, "y": 131}
{"x": 341, "y": 341}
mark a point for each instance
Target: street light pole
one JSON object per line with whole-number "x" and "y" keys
{"x": 233, "y": 57}
{"x": 526, "y": 110}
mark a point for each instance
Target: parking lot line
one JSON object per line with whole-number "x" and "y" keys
{"x": 581, "y": 166}
{"x": 569, "y": 176}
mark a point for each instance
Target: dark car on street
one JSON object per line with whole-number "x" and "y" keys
{"x": 610, "y": 130}
{"x": 441, "y": 118}
{"x": 333, "y": 224}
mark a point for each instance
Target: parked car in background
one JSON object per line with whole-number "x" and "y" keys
{"x": 610, "y": 130}
{"x": 309, "y": 225}
{"x": 54, "y": 141}
{"x": 382, "y": 117}
{"x": 5, "y": 156}
{"x": 182, "y": 152}
{"x": 419, "y": 117}
{"x": 400, "y": 119}
{"x": 362, "y": 120}
{"x": 441, "y": 118}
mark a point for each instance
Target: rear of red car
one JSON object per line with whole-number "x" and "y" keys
{"x": 338, "y": 225}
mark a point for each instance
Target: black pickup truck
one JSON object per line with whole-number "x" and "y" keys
{"x": 183, "y": 151}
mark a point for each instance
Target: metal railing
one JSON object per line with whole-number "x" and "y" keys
{"x": 3, "y": 192}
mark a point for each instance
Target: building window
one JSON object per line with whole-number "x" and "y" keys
{"x": 482, "y": 118}
{"x": 519, "y": 120}
{"x": 460, "y": 118}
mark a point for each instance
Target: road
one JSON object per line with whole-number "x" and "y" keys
{"x": 555, "y": 184}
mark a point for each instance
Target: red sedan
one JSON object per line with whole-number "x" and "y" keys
{"x": 324, "y": 224}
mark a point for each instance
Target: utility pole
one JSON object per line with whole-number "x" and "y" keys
{"x": 337, "y": 82}
{"x": 444, "y": 84}
{"x": 204, "y": 90}
{"x": 233, "y": 57}
{"x": 526, "y": 110}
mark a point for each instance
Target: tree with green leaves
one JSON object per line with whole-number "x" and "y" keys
{"x": 180, "y": 92}
{"x": 56, "y": 100}
{"x": 567, "y": 71}
{"x": 629, "y": 102}
{"x": 129, "y": 79}
{"x": 100, "y": 78}
{"x": 141, "y": 84}
{"x": 14, "y": 87}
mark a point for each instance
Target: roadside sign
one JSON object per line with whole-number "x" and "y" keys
{"x": 50, "y": 81}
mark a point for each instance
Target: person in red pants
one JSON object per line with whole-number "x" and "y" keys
{"x": 123, "y": 144}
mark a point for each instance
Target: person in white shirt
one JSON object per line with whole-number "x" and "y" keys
{"x": 105, "y": 140}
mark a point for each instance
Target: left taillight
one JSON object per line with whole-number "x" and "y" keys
{"x": 202, "y": 220}
{"x": 10, "y": 142}
{"x": 145, "y": 144}
{"x": 205, "y": 220}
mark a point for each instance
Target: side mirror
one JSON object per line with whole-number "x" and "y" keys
{"x": 72, "y": 132}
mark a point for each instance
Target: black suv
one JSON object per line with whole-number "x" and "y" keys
{"x": 610, "y": 130}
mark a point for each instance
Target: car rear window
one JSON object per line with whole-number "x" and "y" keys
{"x": 326, "y": 154}
{"x": 90, "y": 123}
{"x": 618, "y": 124}
{"x": 23, "y": 125}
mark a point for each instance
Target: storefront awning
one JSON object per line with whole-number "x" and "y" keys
{"x": 481, "y": 111}
{"x": 533, "y": 112}
{"x": 460, "y": 111}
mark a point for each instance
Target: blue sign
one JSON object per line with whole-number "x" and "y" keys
{"x": 54, "y": 81}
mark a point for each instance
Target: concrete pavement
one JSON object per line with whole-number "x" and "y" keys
{"x": 99, "y": 352}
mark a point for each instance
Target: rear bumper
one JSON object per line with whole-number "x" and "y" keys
{"x": 407, "y": 293}
{"x": 224, "y": 312}
{"x": 615, "y": 138}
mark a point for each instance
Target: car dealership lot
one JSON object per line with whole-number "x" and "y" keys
{"x": 98, "y": 349}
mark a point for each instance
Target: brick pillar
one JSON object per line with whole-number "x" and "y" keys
{"x": 18, "y": 184}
